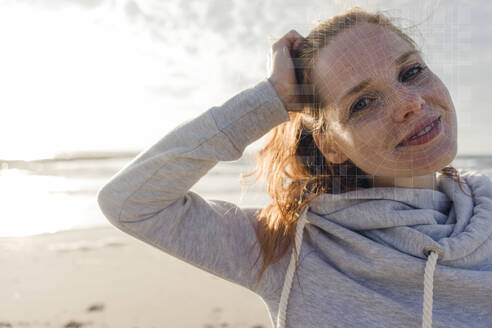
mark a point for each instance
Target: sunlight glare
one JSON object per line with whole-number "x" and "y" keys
{"x": 60, "y": 71}
{"x": 34, "y": 204}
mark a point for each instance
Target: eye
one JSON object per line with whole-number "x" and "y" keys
{"x": 360, "y": 104}
{"x": 411, "y": 73}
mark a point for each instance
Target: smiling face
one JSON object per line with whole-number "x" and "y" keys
{"x": 377, "y": 89}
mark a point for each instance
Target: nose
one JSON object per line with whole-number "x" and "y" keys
{"x": 407, "y": 102}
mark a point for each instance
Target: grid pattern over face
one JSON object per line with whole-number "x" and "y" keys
{"x": 401, "y": 92}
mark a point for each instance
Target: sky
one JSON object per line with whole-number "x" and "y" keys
{"x": 117, "y": 75}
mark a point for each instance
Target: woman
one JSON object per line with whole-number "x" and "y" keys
{"x": 363, "y": 212}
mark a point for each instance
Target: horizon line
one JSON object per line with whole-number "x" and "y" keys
{"x": 105, "y": 155}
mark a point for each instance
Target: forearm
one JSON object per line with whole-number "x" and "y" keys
{"x": 167, "y": 170}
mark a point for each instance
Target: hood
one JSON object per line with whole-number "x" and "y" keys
{"x": 410, "y": 220}
{"x": 444, "y": 224}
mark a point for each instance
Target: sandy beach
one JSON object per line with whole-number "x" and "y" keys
{"x": 102, "y": 277}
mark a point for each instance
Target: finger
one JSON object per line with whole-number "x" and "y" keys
{"x": 292, "y": 36}
{"x": 281, "y": 45}
{"x": 289, "y": 44}
{"x": 294, "y": 43}
{"x": 297, "y": 43}
{"x": 289, "y": 40}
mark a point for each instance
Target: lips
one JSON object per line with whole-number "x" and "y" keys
{"x": 419, "y": 127}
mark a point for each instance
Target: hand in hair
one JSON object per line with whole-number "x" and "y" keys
{"x": 282, "y": 75}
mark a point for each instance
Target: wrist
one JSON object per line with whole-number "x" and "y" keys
{"x": 281, "y": 91}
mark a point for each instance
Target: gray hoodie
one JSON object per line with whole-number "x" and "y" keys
{"x": 362, "y": 254}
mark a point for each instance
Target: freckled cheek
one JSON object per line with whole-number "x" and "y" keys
{"x": 449, "y": 122}
{"x": 362, "y": 143}
{"x": 367, "y": 137}
{"x": 347, "y": 141}
{"x": 435, "y": 91}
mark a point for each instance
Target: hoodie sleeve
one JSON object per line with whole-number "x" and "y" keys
{"x": 149, "y": 198}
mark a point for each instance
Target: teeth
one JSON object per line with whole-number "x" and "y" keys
{"x": 424, "y": 131}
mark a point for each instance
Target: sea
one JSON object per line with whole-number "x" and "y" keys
{"x": 52, "y": 195}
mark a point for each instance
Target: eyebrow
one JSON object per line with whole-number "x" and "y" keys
{"x": 364, "y": 84}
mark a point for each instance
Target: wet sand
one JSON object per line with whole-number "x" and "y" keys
{"x": 102, "y": 277}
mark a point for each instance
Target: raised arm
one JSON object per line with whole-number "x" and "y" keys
{"x": 150, "y": 199}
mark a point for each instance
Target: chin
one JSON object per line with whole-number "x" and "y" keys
{"x": 431, "y": 161}
{"x": 426, "y": 161}
{"x": 433, "y": 157}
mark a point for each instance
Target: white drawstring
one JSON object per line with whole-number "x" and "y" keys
{"x": 284, "y": 298}
{"x": 428, "y": 289}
